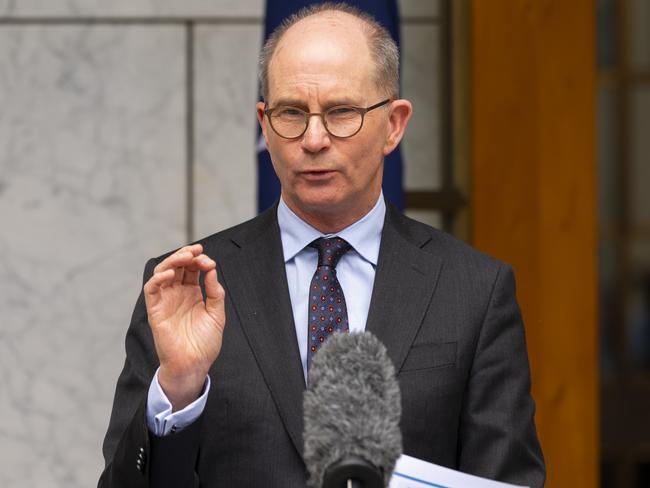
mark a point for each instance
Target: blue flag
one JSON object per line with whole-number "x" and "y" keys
{"x": 268, "y": 186}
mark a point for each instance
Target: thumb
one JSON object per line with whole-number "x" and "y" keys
{"x": 214, "y": 293}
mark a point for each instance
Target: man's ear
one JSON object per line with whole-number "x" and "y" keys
{"x": 398, "y": 117}
{"x": 259, "y": 108}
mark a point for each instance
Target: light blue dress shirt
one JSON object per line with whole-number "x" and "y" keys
{"x": 355, "y": 271}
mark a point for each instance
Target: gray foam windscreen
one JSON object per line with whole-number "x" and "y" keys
{"x": 352, "y": 406}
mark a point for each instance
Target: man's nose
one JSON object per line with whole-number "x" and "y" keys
{"x": 316, "y": 138}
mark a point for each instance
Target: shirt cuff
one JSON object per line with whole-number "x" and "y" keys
{"x": 160, "y": 419}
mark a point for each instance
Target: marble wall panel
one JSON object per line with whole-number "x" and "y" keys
{"x": 130, "y": 8}
{"x": 165, "y": 8}
{"x": 91, "y": 183}
{"x": 225, "y": 95}
{"x": 420, "y": 84}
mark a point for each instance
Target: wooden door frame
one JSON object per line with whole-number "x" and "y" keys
{"x": 533, "y": 203}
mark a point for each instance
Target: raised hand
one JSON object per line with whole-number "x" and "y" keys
{"x": 187, "y": 330}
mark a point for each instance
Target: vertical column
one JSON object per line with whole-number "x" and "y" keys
{"x": 91, "y": 156}
{"x": 533, "y": 204}
{"x": 225, "y": 92}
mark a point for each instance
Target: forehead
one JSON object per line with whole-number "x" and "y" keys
{"x": 323, "y": 55}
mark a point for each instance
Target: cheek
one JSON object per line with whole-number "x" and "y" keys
{"x": 284, "y": 165}
{"x": 280, "y": 171}
{"x": 367, "y": 160}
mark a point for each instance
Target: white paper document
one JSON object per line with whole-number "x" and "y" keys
{"x": 411, "y": 472}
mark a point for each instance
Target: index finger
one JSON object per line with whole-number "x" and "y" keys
{"x": 180, "y": 258}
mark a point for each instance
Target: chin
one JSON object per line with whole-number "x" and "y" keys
{"x": 320, "y": 201}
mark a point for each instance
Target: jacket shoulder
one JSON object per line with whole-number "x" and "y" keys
{"x": 452, "y": 251}
{"x": 221, "y": 241}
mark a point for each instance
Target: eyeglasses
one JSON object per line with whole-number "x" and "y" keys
{"x": 340, "y": 121}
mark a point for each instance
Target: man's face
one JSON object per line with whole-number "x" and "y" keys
{"x": 321, "y": 62}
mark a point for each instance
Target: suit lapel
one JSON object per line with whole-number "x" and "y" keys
{"x": 256, "y": 280}
{"x": 405, "y": 280}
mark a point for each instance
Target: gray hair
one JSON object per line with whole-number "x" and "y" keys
{"x": 382, "y": 46}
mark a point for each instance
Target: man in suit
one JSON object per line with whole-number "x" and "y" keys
{"x": 211, "y": 391}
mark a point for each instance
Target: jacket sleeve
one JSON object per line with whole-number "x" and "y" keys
{"x": 134, "y": 457}
{"x": 497, "y": 430}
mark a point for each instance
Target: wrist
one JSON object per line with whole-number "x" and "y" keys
{"x": 183, "y": 389}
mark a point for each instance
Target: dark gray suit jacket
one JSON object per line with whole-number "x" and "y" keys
{"x": 447, "y": 315}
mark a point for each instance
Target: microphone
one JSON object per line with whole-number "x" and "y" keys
{"x": 352, "y": 410}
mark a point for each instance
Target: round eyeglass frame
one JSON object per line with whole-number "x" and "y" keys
{"x": 360, "y": 110}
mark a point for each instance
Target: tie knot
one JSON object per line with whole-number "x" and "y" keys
{"x": 330, "y": 250}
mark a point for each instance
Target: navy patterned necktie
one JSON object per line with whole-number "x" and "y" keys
{"x": 327, "y": 310}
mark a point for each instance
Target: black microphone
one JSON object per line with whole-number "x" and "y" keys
{"x": 352, "y": 411}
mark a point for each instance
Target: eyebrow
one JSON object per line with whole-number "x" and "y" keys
{"x": 294, "y": 102}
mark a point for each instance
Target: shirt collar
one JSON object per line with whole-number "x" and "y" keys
{"x": 364, "y": 235}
